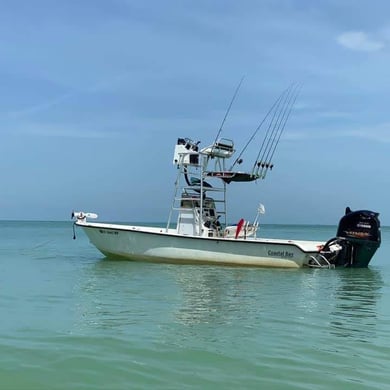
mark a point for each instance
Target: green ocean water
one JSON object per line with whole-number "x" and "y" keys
{"x": 71, "y": 319}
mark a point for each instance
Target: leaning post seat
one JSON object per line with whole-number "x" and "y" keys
{"x": 223, "y": 148}
{"x": 224, "y": 144}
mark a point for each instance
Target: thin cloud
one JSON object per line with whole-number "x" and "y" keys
{"x": 335, "y": 114}
{"x": 359, "y": 41}
{"x": 42, "y": 106}
{"x": 379, "y": 133}
{"x": 376, "y": 133}
{"x": 46, "y": 130}
{"x": 47, "y": 105}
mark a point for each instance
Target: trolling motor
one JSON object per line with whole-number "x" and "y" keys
{"x": 81, "y": 217}
{"x": 358, "y": 238}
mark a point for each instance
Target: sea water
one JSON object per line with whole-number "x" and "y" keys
{"x": 71, "y": 319}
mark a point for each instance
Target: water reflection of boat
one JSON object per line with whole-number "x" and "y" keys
{"x": 210, "y": 297}
{"x": 356, "y": 297}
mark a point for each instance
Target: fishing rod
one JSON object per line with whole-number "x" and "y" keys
{"x": 238, "y": 159}
{"x": 294, "y": 98}
{"x": 275, "y": 128}
{"x": 270, "y": 133}
{"x": 228, "y": 110}
{"x": 266, "y": 163}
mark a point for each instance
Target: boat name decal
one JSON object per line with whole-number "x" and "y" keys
{"x": 108, "y": 231}
{"x": 286, "y": 254}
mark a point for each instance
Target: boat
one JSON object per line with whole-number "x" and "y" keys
{"x": 198, "y": 229}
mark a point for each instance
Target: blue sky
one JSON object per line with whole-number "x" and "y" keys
{"x": 95, "y": 93}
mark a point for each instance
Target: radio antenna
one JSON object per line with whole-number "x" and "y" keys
{"x": 228, "y": 110}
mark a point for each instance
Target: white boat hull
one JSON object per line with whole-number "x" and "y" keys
{"x": 156, "y": 244}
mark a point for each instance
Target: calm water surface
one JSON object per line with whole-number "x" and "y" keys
{"x": 71, "y": 319}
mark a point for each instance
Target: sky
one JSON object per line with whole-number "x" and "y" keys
{"x": 94, "y": 95}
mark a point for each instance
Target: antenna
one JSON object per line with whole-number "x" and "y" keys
{"x": 228, "y": 110}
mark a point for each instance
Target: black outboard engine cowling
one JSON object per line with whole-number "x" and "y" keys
{"x": 358, "y": 238}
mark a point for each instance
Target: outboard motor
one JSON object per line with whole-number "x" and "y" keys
{"x": 358, "y": 238}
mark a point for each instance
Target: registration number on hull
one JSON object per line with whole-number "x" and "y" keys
{"x": 103, "y": 231}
